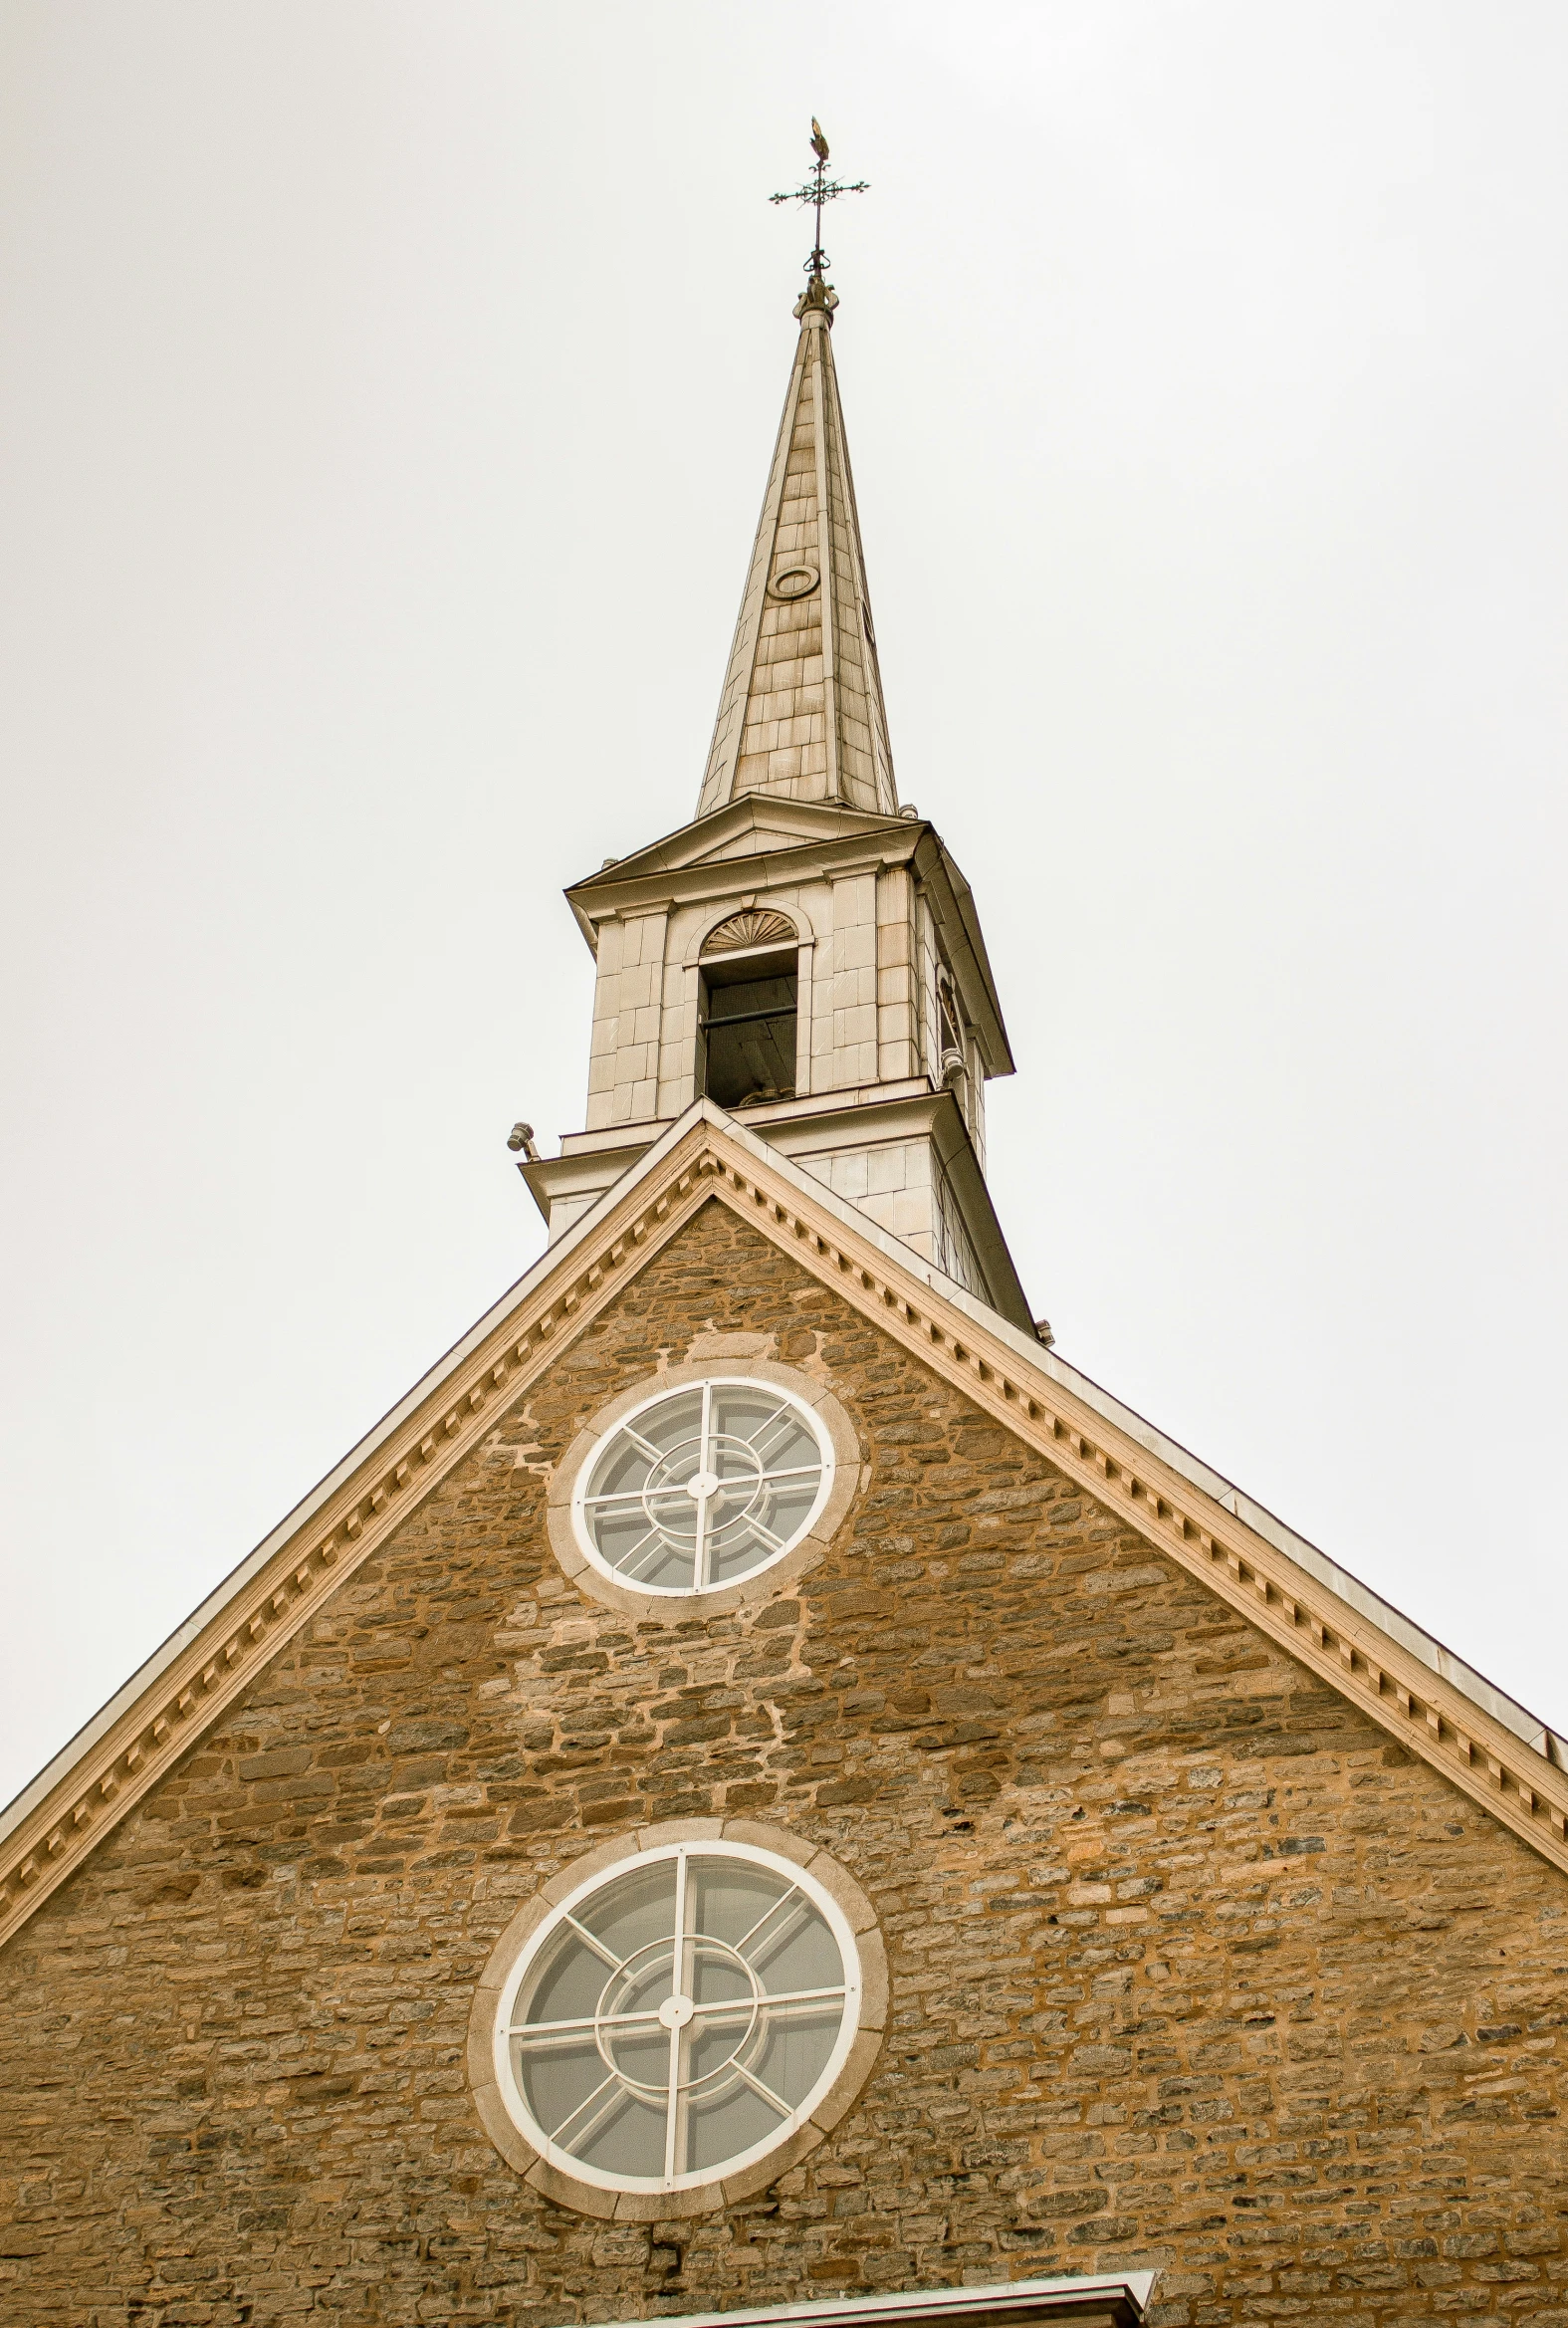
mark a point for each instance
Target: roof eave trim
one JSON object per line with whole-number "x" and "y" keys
{"x": 359, "y": 1458}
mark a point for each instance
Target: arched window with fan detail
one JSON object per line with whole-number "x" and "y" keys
{"x": 747, "y": 1009}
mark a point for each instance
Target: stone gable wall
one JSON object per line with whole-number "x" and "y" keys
{"x": 1191, "y": 1967}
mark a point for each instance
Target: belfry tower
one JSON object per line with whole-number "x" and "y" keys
{"x": 805, "y": 954}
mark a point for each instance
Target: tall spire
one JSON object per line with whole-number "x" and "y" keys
{"x": 800, "y": 955}
{"x": 801, "y": 715}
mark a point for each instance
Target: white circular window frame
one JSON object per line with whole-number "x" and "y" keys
{"x": 592, "y": 1574}
{"x": 554, "y": 2173}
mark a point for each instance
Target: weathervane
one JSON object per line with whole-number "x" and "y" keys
{"x": 819, "y": 188}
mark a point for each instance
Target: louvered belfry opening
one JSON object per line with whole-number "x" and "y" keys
{"x": 749, "y": 1008}
{"x": 748, "y": 1029}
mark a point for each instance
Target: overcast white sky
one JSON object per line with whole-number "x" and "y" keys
{"x": 386, "y": 397}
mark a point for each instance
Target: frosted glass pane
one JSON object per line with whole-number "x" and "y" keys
{"x": 743, "y": 1408}
{"x": 786, "y": 1505}
{"x": 557, "y": 2080}
{"x": 641, "y": 2057}
{"x": 731, "y": 1894}
{"x": 664, "y": 1561}
{"x": 797, "y": 1951}
{"x": 620, "y": 1470}
{"x": 716, "y": 1979}
{"x": 720, "y": 2127}
{"x": 633, "y": 1910}
{"x": 629, "y": 2140}
{"x": 567, "y": 1982}
{"x": 739, "y": 1545}
{"x": 796, "y": 2048}
{"x": 618, "y": 1532}
{"x": 736, "y": 1556}
{"x": 672, "y": 1422}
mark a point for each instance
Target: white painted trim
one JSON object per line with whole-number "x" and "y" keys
{"x": 925, "y": 2303}
{"x": 806, "y": 972}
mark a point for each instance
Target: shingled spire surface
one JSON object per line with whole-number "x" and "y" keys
{"x": 801, "y": 715}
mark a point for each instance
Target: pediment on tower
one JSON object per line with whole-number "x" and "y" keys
{"x": 752, "y": 826}
{"x": 1167, "y": 1520}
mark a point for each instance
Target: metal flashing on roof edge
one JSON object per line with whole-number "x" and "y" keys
{"x": 1118, "y": 2296}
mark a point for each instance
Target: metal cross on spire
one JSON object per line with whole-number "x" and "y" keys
{"x": 819, "y": 188}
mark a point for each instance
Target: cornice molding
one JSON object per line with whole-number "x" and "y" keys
{"x": 1300, "y": 1613}
{"x": 707, "y": 880}
{"x": 792, "y": 823}
{"x": 119, "y": 1768}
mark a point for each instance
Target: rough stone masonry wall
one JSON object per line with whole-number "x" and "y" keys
{"x": 1190, "y": 1966}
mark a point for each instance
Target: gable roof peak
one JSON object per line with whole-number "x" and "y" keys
{"x": 801, "y": 715}
{"x": 1376, "y": 1660}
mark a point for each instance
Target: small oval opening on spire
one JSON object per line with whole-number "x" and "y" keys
{"x": 793, "y": 581}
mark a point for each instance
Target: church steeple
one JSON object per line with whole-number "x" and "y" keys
{"x": 801, "y": 715}
{"x": 804, "y": 957}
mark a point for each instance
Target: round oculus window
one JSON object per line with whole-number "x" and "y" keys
{"x": 701, "y": 1487}
{"x": 676, "y": 2020}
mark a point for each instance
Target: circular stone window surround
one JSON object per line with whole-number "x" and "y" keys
{"x": 508, "y": 1963}
{"x": 601, "y": 1583}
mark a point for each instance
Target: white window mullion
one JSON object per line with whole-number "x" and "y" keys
{"x": 672, "y": 2110}
{"x": 704, "y": 1464}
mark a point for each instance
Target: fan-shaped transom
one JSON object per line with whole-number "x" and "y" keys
{"x": 753, "y": 926}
